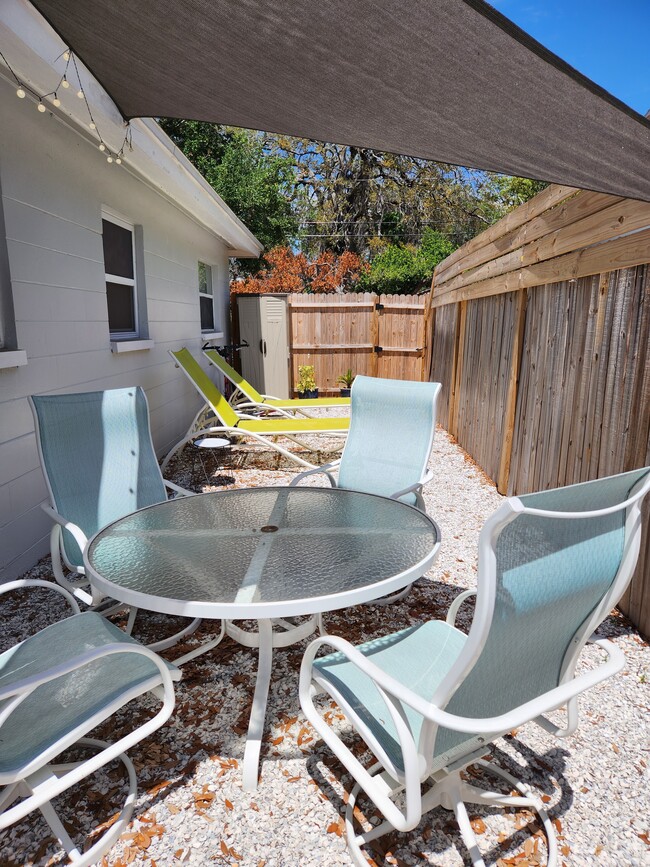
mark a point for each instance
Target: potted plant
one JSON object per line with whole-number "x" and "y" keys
{"x": 345, "y": 380}
{"x": 306, "y": 386}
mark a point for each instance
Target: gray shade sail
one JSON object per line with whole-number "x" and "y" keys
{"x": 447, "y": 80}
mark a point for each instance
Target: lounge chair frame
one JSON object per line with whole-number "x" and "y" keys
{"x": 218, "y": 417}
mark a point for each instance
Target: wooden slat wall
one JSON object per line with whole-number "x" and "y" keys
{"x": 442, "y": 357}
{"x": 542, "y": 327}
{"x": 489, "y": 330}
{"x": 336, "y": 332}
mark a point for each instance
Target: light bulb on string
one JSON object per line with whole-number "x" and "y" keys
{"x": 40, "y": 107}
{"x": 56, "y": 101}
{"x": 92, "y": 125}
{"x": 66, "y": 55}
{"x": 102, "y": 147}
{"x": 109, "y": 159}
{"x": 65, "y": 83}
{"x": 80, "y": 93}
{"x": 20, "y": 93}
{"x": 118, "y": 160}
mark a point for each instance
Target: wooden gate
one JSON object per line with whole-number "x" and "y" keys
{"x": 376, "y": 335}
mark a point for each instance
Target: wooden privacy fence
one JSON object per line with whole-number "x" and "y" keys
{"x": 376, "y": 335}
{"x": 540, "y": 337}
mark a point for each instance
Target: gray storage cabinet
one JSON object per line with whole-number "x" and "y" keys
{"x": 263, "y": 325}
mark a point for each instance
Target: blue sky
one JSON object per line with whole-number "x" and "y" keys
{"x": 606, "y": 40}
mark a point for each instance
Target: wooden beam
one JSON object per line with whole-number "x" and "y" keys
{"x": 624, "y": 216}
{"x": 548, "y": 198}
{"x": 622, "y": 252}
{"x": 567, "y": 212}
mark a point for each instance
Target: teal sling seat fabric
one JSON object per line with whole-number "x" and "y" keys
{"x": 392, "y": 423}
{"x": 97, "y": 457}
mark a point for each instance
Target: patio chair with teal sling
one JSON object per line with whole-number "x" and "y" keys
{"x": 226, "y": 420}
{"x": 247, "y": 397}
{"x": 99, "y": 464}
{"x": 57, "y": 686}
{"x": 392, "y": 425}
{"x": 429, "y": 700}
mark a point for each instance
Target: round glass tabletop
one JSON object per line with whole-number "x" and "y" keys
{"x": 262, "y": 552}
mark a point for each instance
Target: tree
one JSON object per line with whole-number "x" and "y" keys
{"x": 362, "y": 200}
{"x": 283, "y": 270}
{"x": 406, "y": 268}
{"x": 255, "y": 182}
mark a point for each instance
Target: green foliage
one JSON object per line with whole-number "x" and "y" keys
{"x": 306, "y": 378}
{"x": 255, "y": 183}
{"x": 500, "y": 194}
{"x": 346, "y": 379}
{"x": 400, "y": 269}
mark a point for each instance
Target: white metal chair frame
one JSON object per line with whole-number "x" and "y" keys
{"x": 384, "y": 779}
{"x": 40, "y": 780}
{"x": 81, "y": 587}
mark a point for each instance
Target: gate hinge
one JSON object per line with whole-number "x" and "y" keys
{"x": 379, "y": 306}
{"x": 379, "y": 348}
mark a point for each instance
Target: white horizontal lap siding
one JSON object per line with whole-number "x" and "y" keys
{"x": 54, "y": 186}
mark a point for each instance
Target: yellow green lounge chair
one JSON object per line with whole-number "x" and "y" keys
{"x": 246, "y": 396}
{"x": 224, "y": 419}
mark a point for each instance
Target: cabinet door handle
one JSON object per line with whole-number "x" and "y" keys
{"x": 263, "y": 347}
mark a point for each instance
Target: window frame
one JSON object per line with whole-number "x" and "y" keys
{"x": 118, "y": 220}
{"x": 209, "y": 271}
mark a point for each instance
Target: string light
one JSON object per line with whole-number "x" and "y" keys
{"x": 69, "y": 57}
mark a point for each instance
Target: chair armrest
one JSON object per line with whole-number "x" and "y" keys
{"x": 455, "y": 605}
{"x": 324, "y": 469}
{"x": 79, "y": 536}
{"x": 36, "y": 582}
{"x": 527, "y": 712}
{"x": 183, "y": 492}
{"x": 426, "y": 478}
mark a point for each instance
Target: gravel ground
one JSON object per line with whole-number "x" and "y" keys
{"x": 191, "y": 808}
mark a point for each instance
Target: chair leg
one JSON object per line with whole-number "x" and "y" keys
{"x": 452, "y": 793}
{"x": 108, "y": 839}
{"x": 527, "y": 800}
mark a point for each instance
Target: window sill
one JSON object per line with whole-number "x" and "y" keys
{"x": 131, "y": 345}
{"x": 13, "y": 358}
{"x": 212, "y": 335}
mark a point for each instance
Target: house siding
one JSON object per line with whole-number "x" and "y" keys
{"x": 54, "y": 185}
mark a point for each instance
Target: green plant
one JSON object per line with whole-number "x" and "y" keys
{"x": 306, "y": 378}
{"x": 346, "y": 379}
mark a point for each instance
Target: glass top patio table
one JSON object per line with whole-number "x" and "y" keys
{"x": 262, "y": 552}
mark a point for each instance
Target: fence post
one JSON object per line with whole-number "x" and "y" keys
{"x": 374, "y": 337}
{"x": 457, "y": 369}
{"x": 511, "y": 397}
